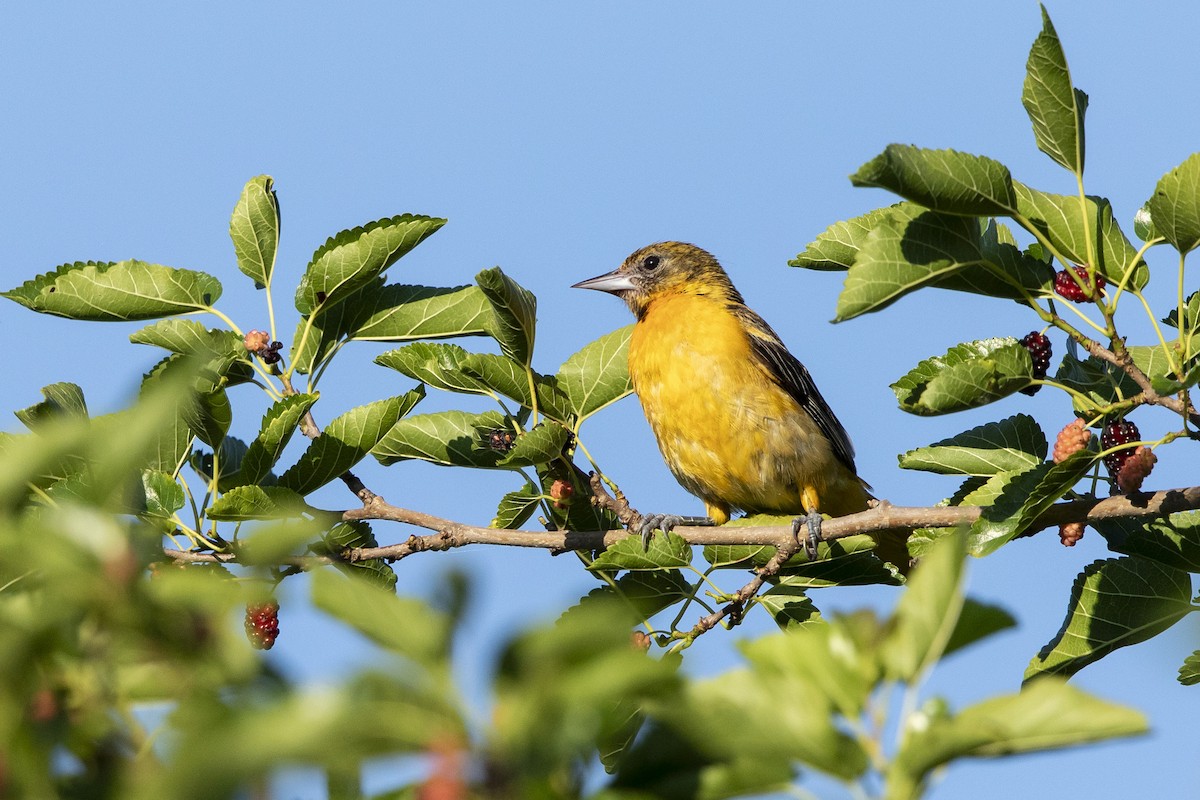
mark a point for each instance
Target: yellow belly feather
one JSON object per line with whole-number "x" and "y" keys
{"x": 729, "y": 433}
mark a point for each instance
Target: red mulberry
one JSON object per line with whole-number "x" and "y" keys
{"x": 262, "y": 624}
{"x": 1067, "y": 287}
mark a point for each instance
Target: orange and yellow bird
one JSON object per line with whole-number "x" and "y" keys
{"x": 738, "y": 418}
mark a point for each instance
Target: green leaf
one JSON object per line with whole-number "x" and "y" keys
{"x": 928, "y": 612}
{"x": 67, "y": 397}
{"x": 836, "y": 248}
{"x": 393, "y": 313}
{"x": 1102, "y": 382}
{"x": 117, "y": 291}
{"x": 437, "y": 364}
{"x": 233, "y": 450}
{"x": 662, "y": 764}
{"x": 347, "y": 536}
{"x": 450, "y": 438}
{"x": 515, "y": 320}
{"x": 1055, "y": 107}
{"x": 1189, "y": 673}
{"x": 911, "y": 248}
{"x": 848, "y": 560}
{"x": 1175, "y": 205}
{"x": 1022, "y": 500}
{"x": 402, "y": 312}
{"x": 173, "y": 439}
{"x": 1143, "y": 224}
{"x": 269, "y": 544}
{"x": 738, "y": 556}
{"x": 278, "y": 425}
{"x": 711, "y": 716}
{"x": 376, "y": 572}
{"x": 844, "y": 565}
{"x": 351, "y": 535}
{"x": 641, "y": 594}
{"x": 172, "y": 442}
{"x": 978, "y": 491}
{"x": 552, "y": 401}
{"x": 1046, "y": 715}
{"x": 977, "y": 621}
{"x": 189, "y": 337}
{"x": 254, "y": 228}
{"x": 1173, "y": 541}
{"x": 942, "y": 180}
{"x": 537, "y": 445}
{"x": 209, "y": 415}
{"x": 452, "y": 368}
{"x": 579, "y": 514}
{"x": 354, "y": 258}
{"x": 969, "y": 375}
{"x": 824, "y": 671}
{"x": 1060, "y": 219}
{"x": 501, "y": 374}
{"x": 1191, "y": 314}
{"x": 163, "y": 495}
{"x": 215, "y": 358}
{"x": 578, "y": 678}
{"x": 516, "y": 507}
{"x": 1153, "y": 361}
{"x": 61, "y": 400}
{"x": 346, "y": 440}
{"x": 401, "y": 624}
{"x": 1012, "y": 445}
{"x": 258, "y": 502}
{"x": 597, "y": 375}
{"x": 1114, "y": 603}
{"x": 665, "y": 552}
{"x": 789, "y": 607}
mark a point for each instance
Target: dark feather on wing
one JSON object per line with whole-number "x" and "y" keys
{"x": 793, "y": 378}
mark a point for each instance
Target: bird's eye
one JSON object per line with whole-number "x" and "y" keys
{"x": 650, "y": 263}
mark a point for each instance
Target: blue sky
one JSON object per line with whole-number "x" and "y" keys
{"x": 557, "y": 139}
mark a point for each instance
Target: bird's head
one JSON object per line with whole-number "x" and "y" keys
{"x": 661, "y": 270}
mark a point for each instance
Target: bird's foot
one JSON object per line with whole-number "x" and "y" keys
{"x": 813, "y": 521}
{"x": 666, "y": 523}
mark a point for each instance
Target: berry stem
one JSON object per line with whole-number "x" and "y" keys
{"x": 1103, "y": 331}
{"x": 1083, "y": 400}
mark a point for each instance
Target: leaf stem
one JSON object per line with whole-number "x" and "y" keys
{"x": 308, "y": 326}
{"x": 1093, "y": 266}
{"x": 221, "y": 316}
{"x": 270, "y": 310}
{"x": 533, "y": 417}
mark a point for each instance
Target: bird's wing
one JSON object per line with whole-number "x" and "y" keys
{"x": 792, "y": 376}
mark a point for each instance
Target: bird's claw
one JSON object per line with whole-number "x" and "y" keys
{"x": 813, "y": 521}
{"x": 663, "y": 522}
{"x": 666, "y": 523}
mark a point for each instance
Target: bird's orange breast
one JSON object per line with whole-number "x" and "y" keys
{"x": 728, "y": 432}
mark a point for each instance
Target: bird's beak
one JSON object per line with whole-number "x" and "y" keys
{"x": 613, "y": 282}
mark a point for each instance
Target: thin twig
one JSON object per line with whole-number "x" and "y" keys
{"x": 1120, "y": 358}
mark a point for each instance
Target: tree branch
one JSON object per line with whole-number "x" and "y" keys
{"x": 1120, "y": 358}
{"x": 449, "y": 535}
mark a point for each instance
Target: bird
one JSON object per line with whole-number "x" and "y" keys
{"x": 738, "y": 419}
